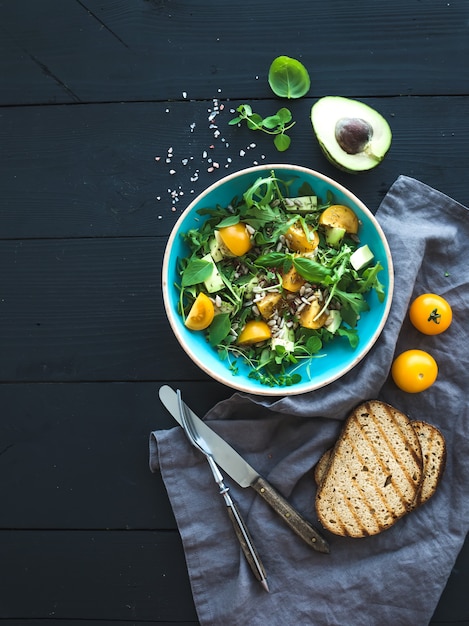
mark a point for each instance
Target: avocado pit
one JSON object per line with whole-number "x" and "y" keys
{"x": 353, "y": 134}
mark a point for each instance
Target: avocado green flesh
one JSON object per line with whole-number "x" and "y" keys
{"x": 325, "y": 114}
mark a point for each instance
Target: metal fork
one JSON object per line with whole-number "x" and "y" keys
{"x": 239, "y": 525}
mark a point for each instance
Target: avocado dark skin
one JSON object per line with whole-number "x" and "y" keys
{"x": 353, "y": 134}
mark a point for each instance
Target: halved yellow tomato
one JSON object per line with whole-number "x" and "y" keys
{"x": 430, "y": 314}
{"x": 292, "y": 281}
{"x": 340, "y": 216}
{"x": 201, "y": 314}
{"x": 236, "y": 238}
{"x": 414, "y": 371}
{"x": 269, "y": 304}
{"x": 309, "y": 314}
{"x": 253, "y": 332}
{"x": 299, "y": 240}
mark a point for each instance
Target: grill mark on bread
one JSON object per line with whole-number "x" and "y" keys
{"x": 372, "y": 480}
{"x": 377, "y": 435}
{"x": 392, "y": 451}
{"x": 433, "y": 447}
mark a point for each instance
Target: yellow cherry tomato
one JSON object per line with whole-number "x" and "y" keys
{"x": 430, "y": 314}
{"x": 299, "y": 241}
{"x": 292, "y": 281}
{"x": 201, "y": 314}
{"x": 340, "y": 216}
{"x": 414, "y": 371}
{"x": 236, "y": 238}
{"x": 253, "y": 332}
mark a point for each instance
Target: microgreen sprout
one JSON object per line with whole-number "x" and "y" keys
{"x": 272, "y": 125}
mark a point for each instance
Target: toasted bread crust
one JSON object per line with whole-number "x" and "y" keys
{"x": 321, "y": 466}
{"x": 433, "y": 447}
{"x": 374, "y": 473}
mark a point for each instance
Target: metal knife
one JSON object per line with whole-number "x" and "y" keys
{"x": 245, "y": 475}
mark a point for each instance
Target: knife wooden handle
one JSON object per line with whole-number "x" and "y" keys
{"x": 290, "y": 515}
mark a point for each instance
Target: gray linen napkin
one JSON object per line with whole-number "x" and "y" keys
{"x": 394, "y": 578}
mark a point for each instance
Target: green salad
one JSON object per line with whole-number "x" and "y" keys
{"x": 271, "y": 279}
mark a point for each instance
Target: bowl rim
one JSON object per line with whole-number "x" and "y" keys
{"x": 237, "y": 383}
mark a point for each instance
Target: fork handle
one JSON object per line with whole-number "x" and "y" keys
{"x": 245, "y": 540}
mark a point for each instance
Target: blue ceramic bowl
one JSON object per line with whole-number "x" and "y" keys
{"x": 339, "y": 356}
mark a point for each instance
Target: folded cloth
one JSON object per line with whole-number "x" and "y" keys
{"x": 394, "y": 578}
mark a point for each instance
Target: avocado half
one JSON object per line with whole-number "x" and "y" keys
{"x": 352, "y": 135}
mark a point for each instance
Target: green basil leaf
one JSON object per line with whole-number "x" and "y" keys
{"x": 273, "y": 259}
{"x": 219, "y": 329}
{"x": 313, "y": 271}
{"x": 197, "y": 271}
{"x": 288, "y": 78}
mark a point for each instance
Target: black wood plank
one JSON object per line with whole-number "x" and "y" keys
{"x": 90, "y": 171}
{"x": 94, "y": 575}
{"x": 120, "y": 575}
{"x": 76, "y": 455}
{"x": 89, "y": 50}
{"x": 86, "y": 309}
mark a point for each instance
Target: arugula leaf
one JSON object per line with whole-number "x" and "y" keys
{"x": 351, "y": 335}
{"x": 231, "y": 220}
{"x": 370, "y": 281}
{"x": 355, "y": 301}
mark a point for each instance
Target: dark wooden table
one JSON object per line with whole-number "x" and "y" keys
{"x": 114, "y": 113}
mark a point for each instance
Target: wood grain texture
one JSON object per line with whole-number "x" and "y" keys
{"x": 100, "y": 575}
{"x": 350, "y": 48}
{"x": 76, "y": 455}
{"x": 90, "y": 171}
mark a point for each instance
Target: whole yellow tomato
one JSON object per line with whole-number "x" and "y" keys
{"x": 201, "y": 314}
{"x": 414, "y": 371}
{"x": 253, "y": 332}
{"x": 430, "y": 314}
{"x": 236, "y": 238}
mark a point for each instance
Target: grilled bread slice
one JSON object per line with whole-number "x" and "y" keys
{"x": 433, "y": 447}
{"x": 374, "y": 474}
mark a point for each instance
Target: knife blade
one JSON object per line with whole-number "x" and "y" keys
{"x": 245, "y": 475}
